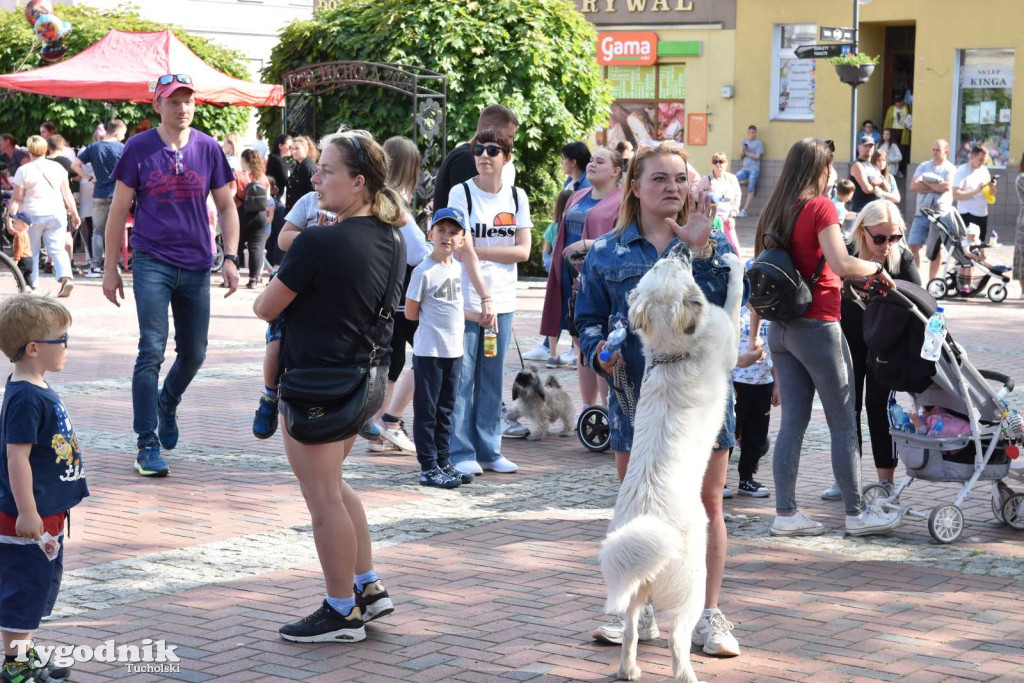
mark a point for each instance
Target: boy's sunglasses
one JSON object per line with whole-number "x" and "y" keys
{"x": 63, "y": 341}
{"x": 492, "y": 150}
{"x": 167, "y": 79}
{"x": 879, "y": 240}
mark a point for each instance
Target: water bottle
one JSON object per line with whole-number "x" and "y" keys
{"x": 907, "y": 425}
{"x": 896, "y": 414}
{"x": 490, "y": 342}
{"x": 934, "y": 335}
{"x": 937, "y": 429}
{"x": 616, "y": 338}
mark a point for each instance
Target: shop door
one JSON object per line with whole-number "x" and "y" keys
{"x": 898, "y": 64}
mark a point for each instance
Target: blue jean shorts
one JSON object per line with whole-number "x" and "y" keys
{"x": 919, "y": 231}
{"x": 29, "y": 584}
{"x": 622, "y": 430}
{"x": 275, "y": 329}
{"x": 751, "y": 177}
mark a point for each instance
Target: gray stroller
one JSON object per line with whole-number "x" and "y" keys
{"x": 955, "y": 385}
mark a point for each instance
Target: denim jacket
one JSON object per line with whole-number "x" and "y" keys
{"x": 613, "y": 267}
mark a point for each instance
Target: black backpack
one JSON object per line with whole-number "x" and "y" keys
{"x": 255, "y": 198}
{"x": 777, "y": 290}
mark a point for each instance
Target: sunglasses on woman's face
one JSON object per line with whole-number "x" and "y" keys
{"x": 879, "y": 240}
{"x": 718, "y": 162}
{"x": 491, "y": 150}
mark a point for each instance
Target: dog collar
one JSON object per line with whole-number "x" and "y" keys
{"x": 662, "y": 360}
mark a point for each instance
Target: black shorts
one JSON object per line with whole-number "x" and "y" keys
{"x": 980, "y": 221}
{"x": 400, "y": 337}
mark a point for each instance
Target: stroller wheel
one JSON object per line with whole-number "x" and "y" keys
{"x": 594, "y": 430}
{"x": 1013, "y": 511}
{"x": 1000, "y": 494}
{"x": 875, "y": 494}
{"x": 946, "y": 523}
{"x": 938, "y": 288}
{"x": 997, "y": 293}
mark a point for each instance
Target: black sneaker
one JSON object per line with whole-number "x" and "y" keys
{"x": 167, "y": 424}
{"x": 374, "y": 601}
{"x": 450, "y": 470}
{"x": 438, "y": 479}
{"x": 753, "y": 489}
{"x": 326, "y": 625}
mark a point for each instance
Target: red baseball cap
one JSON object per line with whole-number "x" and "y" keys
{"x": 171, "y": 83}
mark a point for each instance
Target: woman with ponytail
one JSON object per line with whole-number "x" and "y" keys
{"x": 330, "y": 288}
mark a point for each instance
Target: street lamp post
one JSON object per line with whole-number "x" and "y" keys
{"x": 853, "y": 96}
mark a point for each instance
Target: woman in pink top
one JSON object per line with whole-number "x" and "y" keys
{"x": 589, "y": 214}
{"x": 725, "y": 186}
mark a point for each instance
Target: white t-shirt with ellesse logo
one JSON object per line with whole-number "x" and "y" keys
{"x": 494, "y": 222}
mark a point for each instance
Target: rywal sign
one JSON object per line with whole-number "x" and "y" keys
{"x": 632, "y": 49}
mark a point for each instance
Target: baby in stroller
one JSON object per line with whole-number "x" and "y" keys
{"x": 965, "y": 273}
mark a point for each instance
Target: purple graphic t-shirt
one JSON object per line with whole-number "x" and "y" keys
{"x": 171, "y": 187}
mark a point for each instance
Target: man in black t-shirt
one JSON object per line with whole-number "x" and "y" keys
{"x": 458, "y": 166}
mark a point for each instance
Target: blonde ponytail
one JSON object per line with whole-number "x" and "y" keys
{"x": 388, "y": 207}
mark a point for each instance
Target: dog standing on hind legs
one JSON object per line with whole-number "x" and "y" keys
{"x": 657, "y": 539}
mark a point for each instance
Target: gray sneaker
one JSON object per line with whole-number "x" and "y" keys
{"x": 510, "y": 429}
{"x": 647, "y": 628}
{"x": 832, "y": 492}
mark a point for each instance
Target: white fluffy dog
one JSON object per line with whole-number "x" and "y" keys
{"x": 658, "y": 535}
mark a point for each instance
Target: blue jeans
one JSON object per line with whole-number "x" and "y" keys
{"x": 158, "y": 285}
{"x": 476, "y": 422}
{"x": 812, "y": 355}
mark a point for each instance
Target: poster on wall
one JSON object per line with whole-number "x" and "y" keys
{"x": 697, "y": 129}
{"x": 632, "y": 82}
{"x": 972, "y": 113}
{"x": 634, "y": 122}
{"x": 1004, "y": 116}
{"x": 796, "y": 88}
{"x": 988, "y": 113}
{"x": 671, "y": 120}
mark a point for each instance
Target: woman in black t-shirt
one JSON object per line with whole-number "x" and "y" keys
{"x": 877, "y": 235}
{"x": 300, "y": 183}
{"x": 331, "y": 288}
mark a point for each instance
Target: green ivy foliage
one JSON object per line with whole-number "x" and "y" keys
{"x": 21, "y": 113}
{"x": 534, "y": 56}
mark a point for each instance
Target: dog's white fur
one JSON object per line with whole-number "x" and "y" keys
{"x": 658, "y": 536}
{"x": 543, "y": 404}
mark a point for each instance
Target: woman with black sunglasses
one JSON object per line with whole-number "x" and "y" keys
{"x": 499, "y": 222}
{"x": 877, "y": 235}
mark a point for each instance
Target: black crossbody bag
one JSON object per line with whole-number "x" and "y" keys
{"x": 323, "y": 405}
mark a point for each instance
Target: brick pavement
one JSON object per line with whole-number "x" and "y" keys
{"x": 497, "y": 580}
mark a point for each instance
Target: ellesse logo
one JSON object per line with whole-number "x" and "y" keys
{"x": 504, "y": 226}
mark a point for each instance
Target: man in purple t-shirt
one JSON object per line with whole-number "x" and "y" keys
{"x": 169, "y": 170}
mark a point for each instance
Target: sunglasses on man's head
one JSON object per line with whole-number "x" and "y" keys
{"x": 831, "y": 144}
{"x": 879, "y": 240}
{"x": 491, "y": 150}
{"x": 167, "y": 79}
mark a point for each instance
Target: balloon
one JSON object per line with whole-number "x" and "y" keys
{"x": 53, "y": 52}
{"x": 36, "y": 8}
{"x": 51, "y": 28}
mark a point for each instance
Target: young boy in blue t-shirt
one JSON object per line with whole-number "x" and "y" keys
{"x": 41, "y": 477}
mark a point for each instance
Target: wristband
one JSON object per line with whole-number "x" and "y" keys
{"x": 231, "y": 257}
{"x": 880, "y": 268}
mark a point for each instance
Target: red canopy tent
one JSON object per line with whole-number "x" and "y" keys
{"x": 124, "y": 66}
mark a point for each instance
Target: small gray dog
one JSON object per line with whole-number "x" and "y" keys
{"x": 542, "y": 404}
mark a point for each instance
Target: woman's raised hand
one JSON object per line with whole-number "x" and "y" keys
{"x": 698, "y": 226}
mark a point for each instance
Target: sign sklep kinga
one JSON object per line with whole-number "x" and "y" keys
{"x": 973, "y": 77}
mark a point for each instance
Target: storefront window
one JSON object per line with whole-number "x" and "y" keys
{"x": 984, "y": 111}
{"x": 792, "y": 91}
{"x": 650, "y": 103}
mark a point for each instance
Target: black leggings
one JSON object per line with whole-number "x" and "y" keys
{"x": 402, "y": 335}
{"x": 753, "y": 415}
{"x": 253, "y": 234}
{"x": 875, "y": 398}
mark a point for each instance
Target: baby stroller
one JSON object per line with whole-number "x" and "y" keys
{"x": 894, "y": 325}
{"x": 593, "y": 427}
{"x": 961, "y": 275}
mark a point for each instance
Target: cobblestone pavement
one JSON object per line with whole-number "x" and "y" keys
{"x": 497, "y": 580}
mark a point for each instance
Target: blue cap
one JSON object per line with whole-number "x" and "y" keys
{"x": 448, "y": 213}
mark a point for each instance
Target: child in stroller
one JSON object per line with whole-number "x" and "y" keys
{"x": 965, "y": 273}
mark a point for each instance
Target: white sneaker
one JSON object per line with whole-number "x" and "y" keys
{"x": 832, "y": 492}
{"x": 727, "y": 492}
{"x": 398, "y": 436}
{"x": 569, "y": 358}
{"x": 797, "y": 525}
{"x": 539, "y": 353}
{"x": 741, "y": 213}
{"x": 510, "y": 429}
{"x": 382, "y": 446}
{"x": 502, "y": 465}
{"x": 714, "y": 632}
{"x": 94, "y": 273}
{"x": 646, "y": 628}
{"x": 468, "y": 467}
{"x": 871, "y": 522}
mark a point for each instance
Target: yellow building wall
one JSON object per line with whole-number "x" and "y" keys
{"x": 943, "y": 27}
